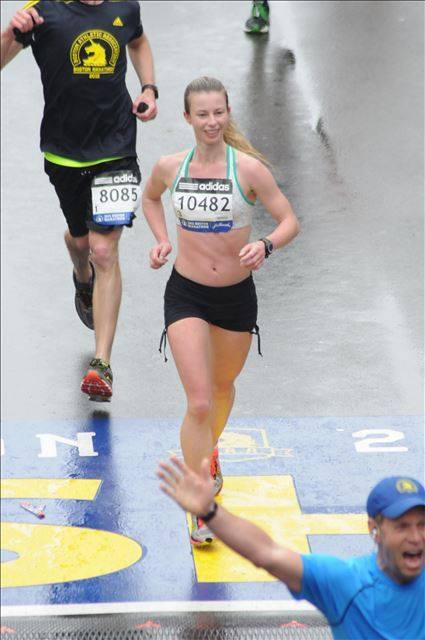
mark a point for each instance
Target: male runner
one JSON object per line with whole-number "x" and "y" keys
{"x": 88, "y": 136}
{"x": 378, "y": 596}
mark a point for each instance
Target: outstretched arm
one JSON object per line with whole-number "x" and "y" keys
{"x": 25, "y": 21}
{"x": 195, "y": 493}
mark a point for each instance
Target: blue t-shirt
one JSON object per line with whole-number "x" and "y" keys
{"x": 360, "y": 601}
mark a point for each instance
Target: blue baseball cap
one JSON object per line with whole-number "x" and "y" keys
{"x": 392, "y": 497}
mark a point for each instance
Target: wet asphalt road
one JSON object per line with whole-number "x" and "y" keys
{"x": 334, "y": 97}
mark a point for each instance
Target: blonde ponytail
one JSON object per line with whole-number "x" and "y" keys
{"x": 235, "y": 138}
{"x": 232, "y": 135}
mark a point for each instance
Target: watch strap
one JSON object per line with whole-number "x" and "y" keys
{"x": 211, "y": 513}
{"x": 268, "y": 245}
{"x": 153, "y": 87}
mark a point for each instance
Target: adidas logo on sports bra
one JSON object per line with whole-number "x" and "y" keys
{"x": 212, "y": 185}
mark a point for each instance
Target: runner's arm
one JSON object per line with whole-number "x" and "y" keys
{"x": 24, "y": 21}
{"x": 195, "y": 493}
{"x": 152, "y": 204}
{"x": 264, "y": 185}
{"x": 9, "y": 48}
{"x": 141, "y": 56}
{"x": 155, "y": 216}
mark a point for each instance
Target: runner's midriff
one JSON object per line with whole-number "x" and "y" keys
{"x": 214, "y": 261}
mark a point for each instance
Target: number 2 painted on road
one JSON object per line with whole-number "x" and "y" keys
{"x": 377, "y": 441}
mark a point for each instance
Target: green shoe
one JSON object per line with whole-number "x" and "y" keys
{"x": 260, "y": 18}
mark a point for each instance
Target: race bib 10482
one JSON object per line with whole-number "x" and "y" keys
{"x": 204, "y": 204}
{"x": 115, "y": 197}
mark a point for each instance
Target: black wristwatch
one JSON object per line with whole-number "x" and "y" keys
{"x": 268, "y": 246}
{"x": 211, "y": 513}
{"x": 153, "y": 87}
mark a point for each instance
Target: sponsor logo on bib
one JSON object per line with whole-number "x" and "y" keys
{"x": 204, "y": 185}
{"x": 214, "y": 186}
{"x": 126, "y": 177}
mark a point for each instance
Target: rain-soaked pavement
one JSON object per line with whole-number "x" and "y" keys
{"x": 333, "y": 96}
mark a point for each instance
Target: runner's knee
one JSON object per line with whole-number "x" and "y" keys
{"x": 199, "y": 408}
{"x": 103, "y": 256}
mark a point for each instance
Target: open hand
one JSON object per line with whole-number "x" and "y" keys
{"x": 252, "y": 255}
{"x": 192, "y": 491}
{"x": 158, "y": 254}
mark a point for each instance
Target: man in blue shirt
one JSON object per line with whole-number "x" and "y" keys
{"x": 379, "y": 596}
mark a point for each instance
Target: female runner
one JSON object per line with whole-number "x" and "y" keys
{"x": 210, "y": 299}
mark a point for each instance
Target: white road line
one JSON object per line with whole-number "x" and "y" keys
{"x": 272, "y": 606}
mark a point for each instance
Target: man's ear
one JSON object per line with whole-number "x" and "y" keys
{"x": 374, "y": 530}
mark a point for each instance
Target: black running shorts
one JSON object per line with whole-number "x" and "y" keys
{"x": 73, "y": 188}
{"x": 233, "y": 307}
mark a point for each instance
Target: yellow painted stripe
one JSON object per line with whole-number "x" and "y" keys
{"x": 45, "y": 488}
{"x": 268, "y": 502}
{"x": 271, "y": 503}
{"x": 330, "y": 523}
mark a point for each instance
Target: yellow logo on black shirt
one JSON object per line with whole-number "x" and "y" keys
{"x": 118, "y": 22}
{"x": 94, "y": 53}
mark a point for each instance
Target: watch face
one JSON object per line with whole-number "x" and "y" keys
{"x": 269, "y": 247}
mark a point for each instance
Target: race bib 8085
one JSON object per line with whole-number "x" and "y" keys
{"x": 115, "y": 197}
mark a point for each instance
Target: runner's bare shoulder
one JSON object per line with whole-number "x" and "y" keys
{"x": 250, "y": 170}
{"x": 167, "y": 166}
{"x": 247, "y": 163}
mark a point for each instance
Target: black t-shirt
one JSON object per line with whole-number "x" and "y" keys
{"x": 81, "y": 52}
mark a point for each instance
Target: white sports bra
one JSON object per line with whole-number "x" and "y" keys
{"x": 210, "y": 204}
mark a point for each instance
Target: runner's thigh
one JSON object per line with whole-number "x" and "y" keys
{"x": 189, "y": 340}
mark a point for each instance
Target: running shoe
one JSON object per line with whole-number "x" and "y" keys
{"x": 259, "y": 20}
{"x": 84, "y": 299}
{"x": 97, "y": 383}
{"x": 215, "y": 471}
{"x": 200, "y": 534}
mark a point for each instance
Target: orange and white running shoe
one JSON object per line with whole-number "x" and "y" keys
{"x": 200, "y": 534}
{"x": 215, "y": 471}
{"x": 97, "y": 383}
